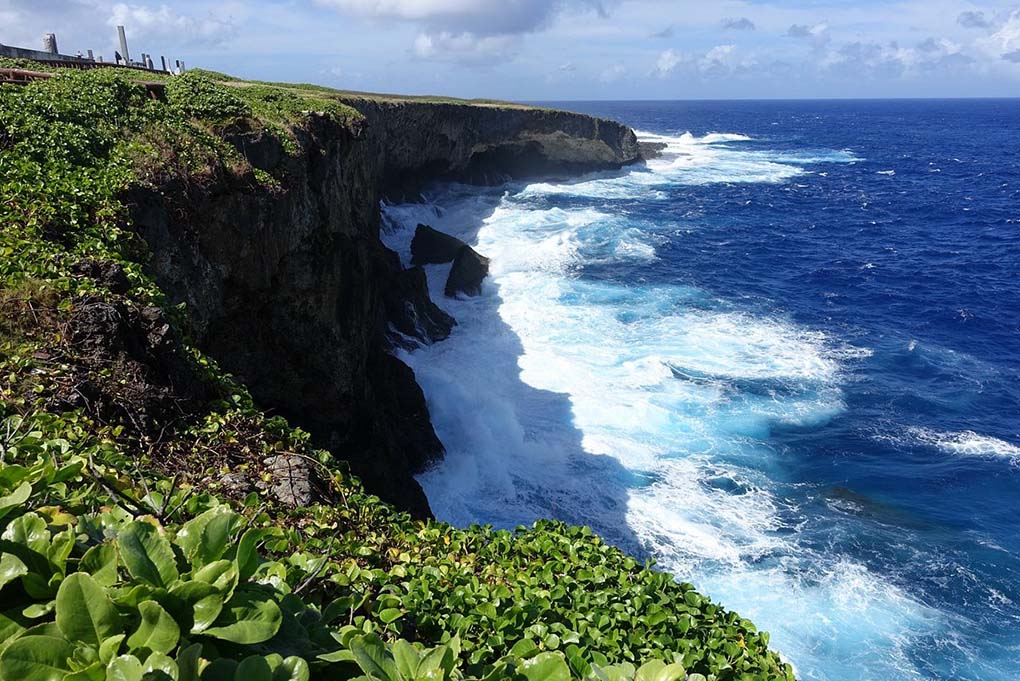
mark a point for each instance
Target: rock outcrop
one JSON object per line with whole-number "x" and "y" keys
{"x": 468, "y": 271}
{"x": 432, "y": 247}
{"x": 293, "y": 291}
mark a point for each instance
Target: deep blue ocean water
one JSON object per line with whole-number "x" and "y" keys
{"x": 783, "y": 359}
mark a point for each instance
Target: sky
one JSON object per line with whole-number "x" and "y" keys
{"x": 534, "y": 50}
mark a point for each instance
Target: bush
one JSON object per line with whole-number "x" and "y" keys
{"x": 196, "y": 95}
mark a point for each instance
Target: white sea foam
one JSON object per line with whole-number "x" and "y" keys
{"x": 965, "y": 443}
{"x": 643, "y": 410}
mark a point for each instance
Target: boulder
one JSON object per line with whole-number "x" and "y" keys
{"x": 432, "y": 247}
{"x": 466, "y": 275}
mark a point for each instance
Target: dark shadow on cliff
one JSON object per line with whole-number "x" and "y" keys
{"x": 513, "y": 453}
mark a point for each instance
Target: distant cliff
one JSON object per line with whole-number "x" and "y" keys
{"x": 292, "y": 290}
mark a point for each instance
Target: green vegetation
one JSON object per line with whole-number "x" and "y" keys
{"x": 124, "y": 551}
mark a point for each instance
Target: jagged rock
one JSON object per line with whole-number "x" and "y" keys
{"x": 432, "y": 247}
{"x": 467, "y": 273}
{"x": 412, "y": 313}
{"x": 292, "y": 478}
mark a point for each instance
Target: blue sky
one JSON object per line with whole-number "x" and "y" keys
{"x": 565, "y": 49}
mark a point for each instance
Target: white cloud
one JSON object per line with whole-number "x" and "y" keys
{"x": 667, "y": 62}
{"x": 145, "y": 23}
{"x": 465, "y": 47}
{"x": 479, "y": 17}
{"x": 613, "y": 73}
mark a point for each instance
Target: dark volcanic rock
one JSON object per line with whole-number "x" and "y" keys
{"x": 467, "y": 273}
{"x": 432, "y": 247}
{"x": 293, "y": 292}
{"x": 412, "y": 313}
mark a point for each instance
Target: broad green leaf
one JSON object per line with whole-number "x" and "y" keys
{"x": 124, "y": 668}
{"x": 11, "y": 567}
{"x": 406, "y": 658}
{"x": 159, "y": 667}
{"x": 246, "y": 556}
{"x": 36, "y": 658}
{"x": 84, "y": 612}
{"x": 292, "y": 668}
{"x": 157, "y": 631}
{"x": 188, "y": 661}
{"x": 147, "y": 554}
{"x": 370, "y": 654}
{"x": 15, "y": 499}
{"x": 250, "y": 617}
{"x": 546, "y": 667}
{"x": 8, "y": 630}
{"x": 436, "y": 663}
{"x": 253, "y": 668}
{"x": 101, "y": 562}
{"x": 206, "y": 537}
{"x": 390, "y": 615}
{"x": 94, "y": 672}
{"x": 222, "y": 574}
{"x": 110, "y": 648}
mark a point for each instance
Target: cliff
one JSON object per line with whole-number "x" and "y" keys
{"x": 144, "y": 491}
{"x": 292, "y": 291}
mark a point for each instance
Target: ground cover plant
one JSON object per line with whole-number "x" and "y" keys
{"x": 123, "y": 552}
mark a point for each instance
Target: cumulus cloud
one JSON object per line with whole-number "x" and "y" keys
{"x": 1012, "y": 56}
{"x": 738, "y": 24}
{"x": 465, "y": 47}
{"x": 815, "y": 32}
{"x": 163, "y": 22}
{"x": 892, "y": 60}
{"x": 479, "y": 17}
{"x": 1005, "y": 41}
{"x": 667, "y": 62}
{"x": 974, "y": 20}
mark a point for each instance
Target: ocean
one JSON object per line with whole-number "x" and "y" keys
{"x": 782, "y": 360}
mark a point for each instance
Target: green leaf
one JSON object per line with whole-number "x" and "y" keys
{"x": 36, "y": 658}
{"x": 11, "y": 567}
{"x": 436, "y": 663}
{"x": 205, "y": 538}
{"x": 101, "y": 562}
{"x": 109, "y": 648}
{"x": 246, "y": 556}
{"x": 250, "y": 617}
{"x": 406, "y": 658}
{"x": 546, "y": 667}
{"x": 370, "y": 654}
{"x": 222, "y": 574}
{"x": 84, "y": 612}
{"x": 147, "y": 554}
{"x": 390, "y": 615}
{"x": 204, "y": 600}
{"x": 292, "y": 668}
{"x": 188, "y": 661}
{"x": 15, "y": 499}
{"x": 159, "y": 667}
{"x": 253, "y": 668}
{"x": 124, "y": 668}
{"x": 158, "y": 631}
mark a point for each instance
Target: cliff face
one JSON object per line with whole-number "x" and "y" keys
{"x": 293, "y": 292}
{"x": 481, "y": 144}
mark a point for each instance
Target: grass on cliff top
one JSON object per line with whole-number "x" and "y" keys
{"x": 128, "y": 547}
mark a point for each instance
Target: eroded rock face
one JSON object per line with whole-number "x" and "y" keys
{"x": 293, "y": 292}
{"x": 468, "y": 271}
{"x": 432, "y": 247}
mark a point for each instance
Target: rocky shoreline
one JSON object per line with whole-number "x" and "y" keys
{"x": 292, "y": 290}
